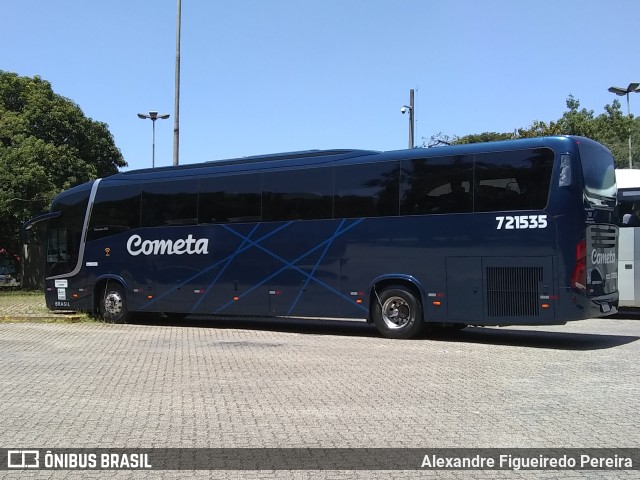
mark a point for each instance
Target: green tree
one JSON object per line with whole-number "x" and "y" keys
{"x": 484, "y": 137}
{"x": 47, "y": 145}
{"x": 611, "y": 128}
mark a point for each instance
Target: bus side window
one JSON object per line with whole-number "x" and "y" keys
{"x": 629, "y": 212}
{"x": 437, "y": 185}
{"x": 513, "y": 180}
{"x": 170, "y": 202}
{"x": 230, "y": 199}
{"x": 367, "y": 190}
{"x": 116, "y": 209}
{"x": 297, "y": 194}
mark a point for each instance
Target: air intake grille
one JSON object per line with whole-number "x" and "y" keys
{"x": 513, "y": 291}
{"x": 603, "y": 236}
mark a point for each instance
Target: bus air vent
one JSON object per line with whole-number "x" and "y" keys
{"x": 603, "y": 236}
{"x": 513, "y": 291}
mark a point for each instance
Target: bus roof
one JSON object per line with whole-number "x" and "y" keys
{"x": 310, "y": 158}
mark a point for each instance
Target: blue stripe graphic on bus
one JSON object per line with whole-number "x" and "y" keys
{"x": 230, "y": 259}
{"x": 315, "y": 267}
{"x": 246, "y": 244}
{"x": 291, "y": 264}
{"x": 226, "y": 260}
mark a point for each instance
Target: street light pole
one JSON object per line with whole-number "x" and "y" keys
{"x": 633, "y": 87}
{"x": 153, "y": 116}
{"x": 176, "y": 118}
{"x": 410, "y": 108}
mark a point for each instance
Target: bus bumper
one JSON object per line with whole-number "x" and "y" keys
{"x": 604, "y": 305}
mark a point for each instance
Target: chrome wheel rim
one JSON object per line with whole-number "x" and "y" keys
{"x": 113, "y": 304}
{"x": 396, "y": 312}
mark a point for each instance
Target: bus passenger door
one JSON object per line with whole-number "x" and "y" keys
{"x": 465, "y": 289}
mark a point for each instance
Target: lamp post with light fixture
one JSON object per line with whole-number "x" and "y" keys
{"x": 176, "y": 117}
{"x": 621, "y": 92}
{"x": 153, "y": 116}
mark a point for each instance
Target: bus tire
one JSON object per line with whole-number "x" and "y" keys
{"x": 397, "y": 313}
{"x": 113, "y": 304}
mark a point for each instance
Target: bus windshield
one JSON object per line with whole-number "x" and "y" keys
{"x": 65, "y": 232}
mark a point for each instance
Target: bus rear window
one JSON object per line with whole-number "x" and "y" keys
{"x": 598, "y": 170}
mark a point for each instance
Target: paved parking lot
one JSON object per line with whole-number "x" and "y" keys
{"x": 293, "y": 383}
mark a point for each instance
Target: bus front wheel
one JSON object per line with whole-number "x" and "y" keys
{"x": 113, "y": 304}
{"x": 397, "y": 313}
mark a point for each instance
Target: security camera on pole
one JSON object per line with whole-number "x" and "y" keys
{"x": 409, "y": 108}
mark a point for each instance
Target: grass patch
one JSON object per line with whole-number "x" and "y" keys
{"x": 28, "y": 306}
{"x": 64, "y": 318}
{"x": 12, "y": 292}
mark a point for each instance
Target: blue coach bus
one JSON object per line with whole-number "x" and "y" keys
{"x": 517, "y": 232}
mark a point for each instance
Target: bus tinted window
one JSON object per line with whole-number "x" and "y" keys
{"x": 230, "y": 199}
{"x": 65, "y": 232}
{"x": 297, "y": 195}
{"x": 437, "y": 185}
{"x": 115, "y": 209}
{"x": 171, "y": 202}
{"x": 512, "y": 180}
{"x": 367, "y": 190}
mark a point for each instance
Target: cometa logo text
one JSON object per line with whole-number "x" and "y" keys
{"x": 191, "y": 246}
{"x": 600, "y": 258}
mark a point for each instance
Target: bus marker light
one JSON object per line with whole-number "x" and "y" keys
{"x": 437, "y": 303}
{"x": 359, "y": 301}
{"x": 75, "y": 295}
{"x": 149, "y": 297}
{"x": 235, "y": 299}
{"x": 545, "y": 305}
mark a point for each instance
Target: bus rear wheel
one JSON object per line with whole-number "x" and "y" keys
{"x": 113, "y": 304}
{"x": 397, "y": 313}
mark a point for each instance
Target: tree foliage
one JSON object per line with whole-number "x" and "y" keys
{"x": 47, "y": 145}
{"x": 611, "y": 128}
